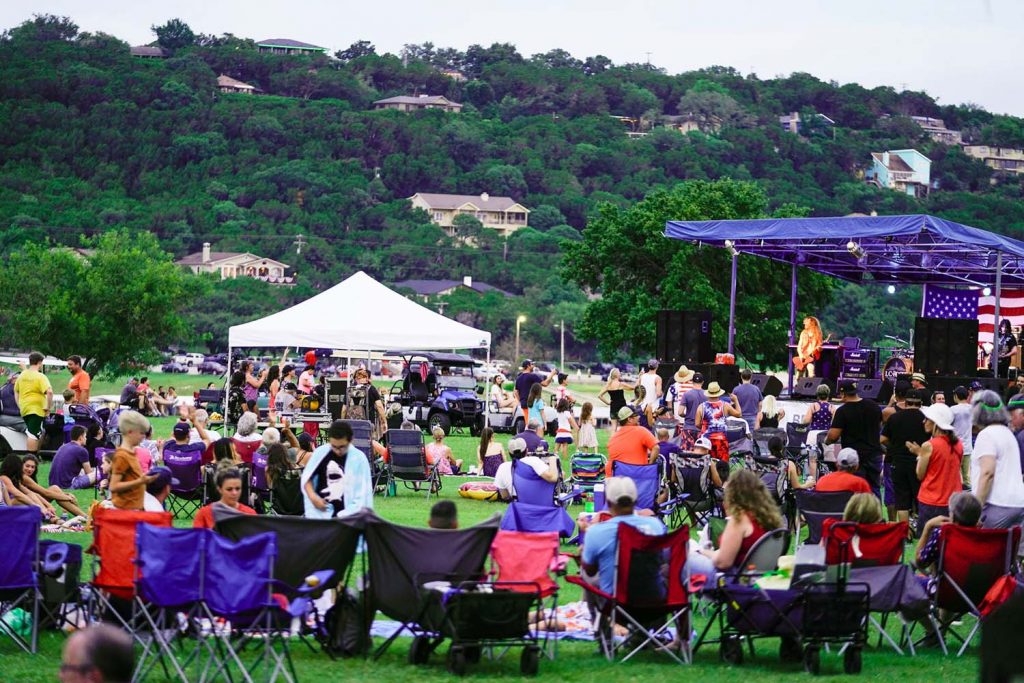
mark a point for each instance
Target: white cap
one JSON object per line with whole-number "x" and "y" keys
{"x": 618, "y": 488}
{"x": 517, "y": 446}
{"x": 848, "y": 458}
{"x": 941, "y": 415}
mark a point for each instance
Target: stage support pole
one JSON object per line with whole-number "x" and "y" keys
{"x": 732, "y": 305}
{"x": 792, "y": 325}
{"x": 995, "y": 321}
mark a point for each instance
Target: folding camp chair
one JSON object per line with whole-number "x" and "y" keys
{"x": 872, "y": 545}
{"x": 398, "y": 555}
{"x": 286, "y": 495}
{"x": 60, "y": 566}
{"x": 113, "y": 547}
{"x": 970, "y": 562}
{"x": 649, "y": 598}
{"x": 649, "y": 480}
{"x": 814, "y": 507}
{"x": 246, "y": 449}
{"x": 408, "y": 461}
{"x": 536, "y": 507}
{"x": 693, "y": 487}
{"x": 362, "y": 436}
{"x": 259, "y": 489}
{"x": 528, "y": 560}
{"x": 737, "y": 433}
{"x": 190, "y": 493}
{"x": 586, "y": 470}
{"x": 796, "y": 437}
{"x": 19, "y": 581}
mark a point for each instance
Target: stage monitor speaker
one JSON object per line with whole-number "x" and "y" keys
{"x": 684, "y": 337}
{"x": 770, "y": 385}
{"x": 946, "y": 347}
{"x": 997, "y": 385}
{"x": 336, "y": 390}
{"x": 808, "y": 387}
{"x": 877, "y": 390}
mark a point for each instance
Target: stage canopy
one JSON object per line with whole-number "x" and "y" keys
{"x": 358, "y": 314}
{"x": 912, "y": 249}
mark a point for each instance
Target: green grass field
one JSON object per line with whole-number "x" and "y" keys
{"x": 577, "y": 661}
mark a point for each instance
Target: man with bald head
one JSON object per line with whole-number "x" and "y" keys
{"x": 98, "y": 654}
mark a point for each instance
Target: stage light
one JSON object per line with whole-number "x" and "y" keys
{"x": 855, "y": 250}
{"x": 987, "y": 291}
{"x": 891, "y": 289}
{"x": 730, "y": 246}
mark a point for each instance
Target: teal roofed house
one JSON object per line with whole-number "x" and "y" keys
{"x": 287, "y": 46}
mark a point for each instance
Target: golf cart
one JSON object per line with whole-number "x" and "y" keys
{"x": 438, "y": 390}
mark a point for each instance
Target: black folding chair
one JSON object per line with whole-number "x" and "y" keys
{"x": 408, "y": 461}
{"x": 814, "y": 507}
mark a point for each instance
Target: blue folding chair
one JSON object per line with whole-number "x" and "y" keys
{"x": 169, "y": 564}
{"x": 536, "y": 507}
{"x": 648, "y": 484}
{"x": 19, "y": 583}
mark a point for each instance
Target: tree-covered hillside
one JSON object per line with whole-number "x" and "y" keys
{"x": 92, "y": 139}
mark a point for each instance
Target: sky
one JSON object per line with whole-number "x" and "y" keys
{"x": 959, "y": 51}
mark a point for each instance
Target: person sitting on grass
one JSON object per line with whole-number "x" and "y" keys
{"x": 71, "y": 468}
{"x": 845, "y": 478}
{"x": 443, "y": 515}
{"x": 127, "y": 482}
{"x": 52, "y": 494}
{"x": 229, "y": 486}
{"x": 14, "y": 493}
{"x": 439, "y": 455}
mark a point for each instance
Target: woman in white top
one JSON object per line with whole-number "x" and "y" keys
{"x": 651, "y": 382}
{"x": 995, "y": 464}
{"x": 500, "y": 398}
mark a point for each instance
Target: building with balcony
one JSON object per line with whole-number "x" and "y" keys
{"x": 427, "y": 289}
{"x": 937, "y": 131}
{"x": 903, "y": 170}
{"x": 231, "y": 264}
{"x": 418, "y": 103}
{"x": 287, "y": 46}
{"x": 227, "y": 84}
{"x": 149, "y": 52}
{"x": 503, "y": 214}
{"x": 792, "y": 123}
{"x": 1003, "y": 159}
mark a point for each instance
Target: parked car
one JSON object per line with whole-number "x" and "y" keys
{"x": 439, "y": 391}
{"x": 173, "y": 366}
{"x": 189, "y": 359}
{"x": 212, "y": 368}
{"x": 221, "y": 358}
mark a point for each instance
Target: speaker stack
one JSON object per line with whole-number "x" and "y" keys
{"x": 727, "y": 376}
{"x": 684, "y": 337}
{"x": 336, "y": 390}
{"x": 770, "y": 385}
{"x": 946, "y": 347}
{"x": 807, "y": 387}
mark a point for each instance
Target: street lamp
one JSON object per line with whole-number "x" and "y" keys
{"x": 519, "y": 321}
{"x": 561, "y": 346}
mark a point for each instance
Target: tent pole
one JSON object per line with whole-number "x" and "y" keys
{"x": 487, "y": 392}
{"x": 995, "y": 321}
{"x": 227, "y": 385}
{"x": 732, "y": 305}
{"x": 792, "y": 325}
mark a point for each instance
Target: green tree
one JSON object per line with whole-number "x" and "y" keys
{"x": 713, "y": 110}
{"x": 545, "y": 216}
{"x": 467, "y": 226}
{"x": 174, "y": 35}
{"x": 114, "y": 306}
{"x": 360, "y": 48}
{"x": 637, "y": 271}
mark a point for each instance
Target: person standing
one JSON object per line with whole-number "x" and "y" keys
{"x": 906, "y": 426}
{"x": 692, "y": 400}
{"x": 674, "y": 396}
{"x": 856, "y": 424}
{"x": 749, "y": 398}
{"x": 127, "y": 482}
{"x": 962, "y": 426}
{"x": 808, "y": 347}
{"x": 35, "y": 398}
{"x": 336, "y": 480}
{"x": 995, "y": 464}
{"x": 651, "y": 382}
{"x": 525, "y": 381}
{"x": 1007, "y": 345}
{"x": 615, "y": 388}
{"x": 938, "y": 465}
{"x": 80, "y": 382}
{"x": 710, "y": 420}
{"x": 919, "y": 383}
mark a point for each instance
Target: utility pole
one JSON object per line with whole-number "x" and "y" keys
{"x": 561, "y": 353}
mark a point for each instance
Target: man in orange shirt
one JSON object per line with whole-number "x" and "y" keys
{"x": 844, "y": 480}
{"x": 80, "y": 381}
{"x": 631, "y": 444}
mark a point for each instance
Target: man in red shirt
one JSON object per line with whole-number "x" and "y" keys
{"x": 844, "y": 480}
{"x": 631, "y": 444}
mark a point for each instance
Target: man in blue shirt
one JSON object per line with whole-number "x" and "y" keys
{"x": 601, "y": 543}
{"x": 749, "y": 398}
{"x": 691, "y": 401}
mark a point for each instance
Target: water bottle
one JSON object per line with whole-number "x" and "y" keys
{"x": 392, "y": 488}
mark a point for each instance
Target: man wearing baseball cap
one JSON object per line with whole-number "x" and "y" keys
{"x": 601, "y": 544}
{"x": 527, "y": 378}
{"x": 856, "y": 424}
{"x": 158, "y": 489}
{"x": 845, "y": 478}
{"x": 631, "y": 444}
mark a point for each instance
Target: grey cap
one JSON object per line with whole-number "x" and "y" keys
{"x": 848, "y": 459}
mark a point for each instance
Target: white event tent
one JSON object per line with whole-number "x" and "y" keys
{"x": 358, "y": 314}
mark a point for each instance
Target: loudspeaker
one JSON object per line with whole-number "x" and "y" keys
{"x": 991, "y": 383}
{"x": 877, "y": 390}
{"x": 770, "y": 385}
{"x": 684, "y": 337}
{"x": 808, "y": 386}
{"x": 727, "y": 376}
{"x": 946, "y": 347}
{"x": 667, "y": 372}
{"x": 336, "y": 390}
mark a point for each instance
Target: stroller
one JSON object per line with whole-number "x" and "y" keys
{"x": 585, "y": 470}
{"x": 475, "y": 615}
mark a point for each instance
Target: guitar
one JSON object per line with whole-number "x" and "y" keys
{"x": 801, "y": 362}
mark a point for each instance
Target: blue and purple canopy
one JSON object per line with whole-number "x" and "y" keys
{"x": 911, "y": 249}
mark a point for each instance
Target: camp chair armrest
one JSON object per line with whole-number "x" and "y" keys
{"x": 590, "y": 588}
{"x": 567, "y": 498}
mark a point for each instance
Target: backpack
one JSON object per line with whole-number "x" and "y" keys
{"x": 8, "y": 404}
{"x": 355, "y": 402}
{"x": 346, "y": 632}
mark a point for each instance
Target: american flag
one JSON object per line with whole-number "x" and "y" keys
{"x": 940, "y": 302}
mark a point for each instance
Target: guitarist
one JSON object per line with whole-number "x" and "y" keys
{"x": 808, "y": 348}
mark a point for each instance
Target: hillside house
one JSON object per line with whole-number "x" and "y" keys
{"x": 418, "y": 103}
{"x": 903, "y": 170}
{"x": 937, "y": 131}
{"x": 1004, "y": 159}
{"x": 503, "y": 214}
{"x": 149, "y": 52}
{"x": 287, "y": 46}
{"x": 230, "y": 264}
{"x": 792, "y": 123}
{"x": 227, "y": 84}
{"x": 426, "y": 289}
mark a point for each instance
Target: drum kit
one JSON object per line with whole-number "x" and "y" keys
{"x": 900, "y": 362}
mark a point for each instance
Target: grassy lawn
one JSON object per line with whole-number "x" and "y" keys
{"x": 576, "y": 661}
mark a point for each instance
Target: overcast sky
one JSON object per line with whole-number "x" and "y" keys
{"x": 956, "y": 50}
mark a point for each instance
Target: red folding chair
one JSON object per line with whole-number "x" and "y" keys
{"x": 529, "y": 561}
{"x": 970, "y": 561}
{"x": 648, "y": 600}
{"x": 870, "y": 545}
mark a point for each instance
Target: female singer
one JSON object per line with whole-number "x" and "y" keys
{"x": 808, "y": 348}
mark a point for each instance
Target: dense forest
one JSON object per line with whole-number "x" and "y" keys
{"x": 93, "y": 139}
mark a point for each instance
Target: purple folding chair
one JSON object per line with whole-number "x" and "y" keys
{"x": 190, "y": 493}
{"x": 535, "y": 508}
{"x": 259, "y": 488}
{"x": 19, "y": 583}
{"x": 169, "y": 564}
